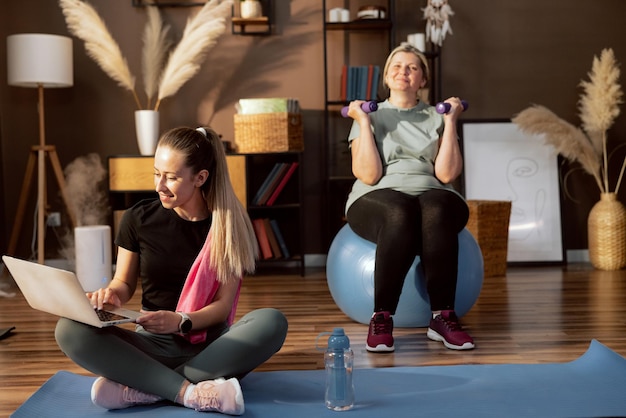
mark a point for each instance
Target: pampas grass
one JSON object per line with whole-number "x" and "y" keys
{"x": 599, "y": 106}
{"x": 155, "y": 46}
{"x": 84, "y": 22}
{"x": 200, "y": 34}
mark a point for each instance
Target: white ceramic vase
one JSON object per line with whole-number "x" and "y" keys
{"x": 251, "y": 9}
{"x": 147, "y": 130}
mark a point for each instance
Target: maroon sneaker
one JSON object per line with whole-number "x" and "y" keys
{"x": 379, "y": 337}
{"x": 445, "y": 327}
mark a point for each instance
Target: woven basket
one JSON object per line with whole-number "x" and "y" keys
{"x": 606, "y": 227}
{"x": 268, "y": 132}
{"x": 489, "y": 224}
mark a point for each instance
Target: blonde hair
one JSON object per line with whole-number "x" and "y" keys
{"x": 407, "y": 47}
{"x": 234, "y": 247}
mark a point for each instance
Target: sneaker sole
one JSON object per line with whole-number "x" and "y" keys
{"x": 380, "y": 348}
{"x": 435, "y": 336}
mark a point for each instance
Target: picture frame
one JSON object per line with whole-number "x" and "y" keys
{"x": 502, "y": 163}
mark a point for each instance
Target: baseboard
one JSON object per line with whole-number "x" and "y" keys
{"x": 577, "y": 256}
{"x": 315, "y": 260}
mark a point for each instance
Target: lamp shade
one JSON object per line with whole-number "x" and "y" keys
{"x": 35, "y": 59}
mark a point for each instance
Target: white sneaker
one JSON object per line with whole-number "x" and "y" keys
{"x": 218, "y": 395}
{"x": 111, "y": 395}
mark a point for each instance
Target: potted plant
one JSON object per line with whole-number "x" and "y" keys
{"x": 599, "y": 106}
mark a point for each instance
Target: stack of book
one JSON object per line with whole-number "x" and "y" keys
{"x": 359, "y": 82}
{"x": 274, "y": 183}
{"x": 271, "y": 241}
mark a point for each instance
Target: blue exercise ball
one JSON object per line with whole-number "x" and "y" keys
{"x": 350, "y": 276}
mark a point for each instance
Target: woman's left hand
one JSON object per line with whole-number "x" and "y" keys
{"x": 159, "y": 322}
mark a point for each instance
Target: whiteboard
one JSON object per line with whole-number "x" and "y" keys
{"x": 503, "y": 163}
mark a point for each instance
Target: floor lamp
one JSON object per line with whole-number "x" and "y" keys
{"x": 39, "y": 61}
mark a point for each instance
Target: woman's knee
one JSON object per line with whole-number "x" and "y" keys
{"x": 72, "y": 336}
{"x": 270, "y": 324}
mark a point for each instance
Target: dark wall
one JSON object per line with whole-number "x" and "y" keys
{"x": 501, "y": 57}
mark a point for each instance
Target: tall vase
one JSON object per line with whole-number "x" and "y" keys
{"x": 606, "y": 227}
{"x": 147, "y": 130}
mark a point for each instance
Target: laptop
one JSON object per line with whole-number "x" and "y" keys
{"x": 59, "y": 292}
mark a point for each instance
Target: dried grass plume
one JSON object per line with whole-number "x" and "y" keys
{"x": 84, "y": 22}
{"x": 201, "y": 33}
{"x": 599, "y": 106}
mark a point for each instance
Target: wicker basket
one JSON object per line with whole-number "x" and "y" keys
{"x": 489, "y": 224}
{"x": 268, "y": 132}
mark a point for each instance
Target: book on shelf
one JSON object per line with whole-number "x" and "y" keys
{"x": 273, "y": 179}
{"x": 279, "y": 238}
{"x": 265, "y": 184}
{"x": 271, "y": 237}
{"x": 375, "y": 81}
{"x": 276, "y": 179}
{"x": 281, "y": 185}
{"x": 261, "y": 236}
{"x": 360, "y": 82}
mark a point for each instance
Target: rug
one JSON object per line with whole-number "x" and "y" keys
{"x": 594, "y": 385}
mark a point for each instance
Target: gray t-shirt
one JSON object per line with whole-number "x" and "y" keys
{"x": 408, "y": 142}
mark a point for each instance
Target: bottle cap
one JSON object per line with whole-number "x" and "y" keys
{"x": 338, "y": 340}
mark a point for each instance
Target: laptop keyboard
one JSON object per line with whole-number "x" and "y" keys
{"x": 108, "y": 316}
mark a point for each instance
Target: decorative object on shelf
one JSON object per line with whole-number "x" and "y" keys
{"x": 268, "y": 125}
{"x": 371, "y": 12}
{"x": 437, "y": 15}
{"x": 607, "y": 233}
{"x": 418, "y": 40}
{"x": 598, "y": 107}
{"x": 165, "y": 70}
{"x": 250, "y": 9}
{"x": 40, "y": 61}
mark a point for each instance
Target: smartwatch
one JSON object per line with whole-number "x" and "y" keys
{"x": 185, "y": 323}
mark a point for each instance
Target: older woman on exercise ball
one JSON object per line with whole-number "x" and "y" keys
{"x": 404, "y": 157}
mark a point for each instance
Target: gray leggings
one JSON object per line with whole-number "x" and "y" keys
{"x": 159, "y": 364}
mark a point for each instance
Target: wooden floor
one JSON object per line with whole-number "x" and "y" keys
{"x": 533, "y": 315}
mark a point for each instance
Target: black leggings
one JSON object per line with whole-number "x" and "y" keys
{"x": 403, "y": 226}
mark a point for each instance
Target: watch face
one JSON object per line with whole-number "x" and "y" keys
{"x": 186, "y": 326}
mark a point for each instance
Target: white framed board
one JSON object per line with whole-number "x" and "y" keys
{"x": 503, "y": 163}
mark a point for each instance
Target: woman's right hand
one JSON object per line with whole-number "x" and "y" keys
{"x": 104, "y": 296}
{"x": 355, "y": 111}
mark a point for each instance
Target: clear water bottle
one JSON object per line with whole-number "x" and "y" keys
{"x": 338, "y": 360}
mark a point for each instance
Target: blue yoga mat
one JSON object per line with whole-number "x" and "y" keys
{"x": 593, "y": 385}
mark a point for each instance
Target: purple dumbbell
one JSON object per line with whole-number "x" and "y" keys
{"x": 443, "y": 107}
{"x": 366, "y": 106}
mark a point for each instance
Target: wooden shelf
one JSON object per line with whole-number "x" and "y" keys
{"x": 257, "y": 26}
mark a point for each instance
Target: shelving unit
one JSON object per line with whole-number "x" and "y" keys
{"x": 344, "y": 46}
{"x": 131, "y": 179}
{"x": 286, "y": 210}
{"x": 354, "y": 43}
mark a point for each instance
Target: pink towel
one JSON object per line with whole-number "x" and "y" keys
{"x": 200, "y": 288}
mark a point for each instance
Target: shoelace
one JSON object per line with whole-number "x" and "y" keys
{"x": 136, "y": 397}
{"x": 451, "y": 323}
{"x": 209, "y": 399}
{"x": 382, "y": 326}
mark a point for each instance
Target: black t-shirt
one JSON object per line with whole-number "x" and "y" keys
{"x": 167, "y": 247}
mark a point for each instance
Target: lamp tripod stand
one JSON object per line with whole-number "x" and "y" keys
{"x": 39, "y": 153}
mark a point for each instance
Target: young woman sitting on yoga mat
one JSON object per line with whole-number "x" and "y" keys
{"x": 190, "y": 250}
